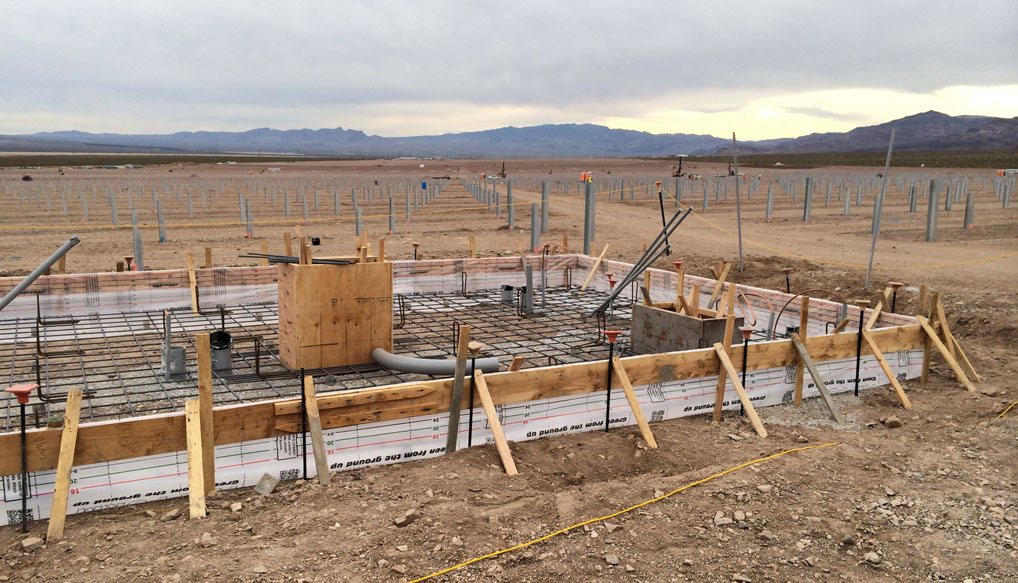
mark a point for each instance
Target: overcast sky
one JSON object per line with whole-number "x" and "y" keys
{"x": 392, "y": 68}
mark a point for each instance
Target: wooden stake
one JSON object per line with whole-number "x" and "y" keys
{"x": 874, "y": 316}
{"x": 61, "y": 490}
{"x": 456, "y": 399}
{"x": 887, "y": 370}
{"x": 646, "y": 285}
{"x": 958, "y": 372}
{"x": 817, "y": 379}
{"x": 287, "y": 245}
{"x": 634, "y": 403}
{"x": 927, "y": 343}
{"x": 315, "y": 428}
{"x": 923, "y": 291}
{"x": 208, "y": 258}
{"x": 726, "y": 365}
{"x": 62, "y": 269}
{"x": 694, "y": 301}
{"x": 593, "y": 269}
{"x": 952, "y": 344}
{"x": 719, "y": 395}
{"x": 517, "y": 363}
{"x": 565, "y": 243}
{"x": 720, "y": 286}
{"x": 473, "y": 249}
{"x": 800, "y": 368}
{"x": 193, "y": 280}
{"x": 842, "y": 325}
{"x": 491, "y": 413}
{"x": 195, "y": 479}
{"x": 265, "y": 251}
{"x": 205, "y": 401}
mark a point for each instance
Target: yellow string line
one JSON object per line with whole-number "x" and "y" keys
{"x": 620, "y": 512}
{"x": 1008, "y": 409}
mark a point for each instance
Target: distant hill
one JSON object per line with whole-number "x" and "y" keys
{"x": 929, "y": 131}
{"x": 921, "y": 132}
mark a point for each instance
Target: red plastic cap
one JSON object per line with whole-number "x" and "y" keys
{"x": 612, "y": 335}
{"x": 678, "y": 264}
{"x": 746, "y": 332}
{"x": 22, "y": 391}
{"x": 612, "y": 282}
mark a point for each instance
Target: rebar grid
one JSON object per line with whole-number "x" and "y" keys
{"x": 117, "y": 358}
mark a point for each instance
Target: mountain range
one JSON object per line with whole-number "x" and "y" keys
{"x": 929, "y": 131}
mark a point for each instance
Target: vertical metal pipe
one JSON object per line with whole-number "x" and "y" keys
{"x": 738, "y": 202}
{"x": 608, "y": 397}
{"x": 858, "y": 348}
{"x": 545, "y": 199}
{"x": 24, "y": 473}
{"x": 303, "y": 425}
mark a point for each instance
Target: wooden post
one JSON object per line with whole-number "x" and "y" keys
{"x": 817, "y": 379}
{"x": 208, "y": 258}
{"x": 473, "y": 249}
{"x": 726, "y": 365}
{"x": 517, "y": 363}
{"x": 923, "y": 295}
{"x": 875, "y": 315}
{"x": 501, "y": 446}
{"x": 590, "y": 275}
{"x": 287, "y": 245}
{"x": 620, "y": 373}
{"x": 61, "y": 490}
{"x": 205, "y": 403}
{"x": 456, "y": 399}
{"x": 646, "y": 285}
{"x": 800, "y": 368}
{"x": 927, "y": 343}
{"x": 719, "y": 395}
{"x": 952, "y": 344}
{"x": 887, "y": 369}
{"x": 265, "y": 251}
{"x": 315, "y": 428}
{"x": 694, "y": 301}
{"x": 195, "y": 479}
{"x": 62, "y": 268}
{"x": 192, "y": 279}
{"x": 381, "y": 249}
{"x": 565, "y": 243}
{"x": 720, "y": 286}
{"x": 932, "y": 335}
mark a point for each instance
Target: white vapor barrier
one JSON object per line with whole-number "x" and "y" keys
{"x": 119, "y": 483}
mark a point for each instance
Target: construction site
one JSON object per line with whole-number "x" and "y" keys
{"x": 354, "y": 371}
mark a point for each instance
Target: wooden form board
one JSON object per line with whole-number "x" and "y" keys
{"x": 334, "y": 315}
{"x": 195, "y": 478}
{"x": 315, "y": 429}
{"x": 115, "y": 440}
{"x": 61, "y": 489}
{"x": 501, "y": 445}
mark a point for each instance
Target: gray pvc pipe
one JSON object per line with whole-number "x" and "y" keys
{"x": 39, "y": 271}
{"x": 430, "y": 366}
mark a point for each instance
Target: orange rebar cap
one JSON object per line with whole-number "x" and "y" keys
{"x": 22, "y": 391}
{"x": 612, "y": 335}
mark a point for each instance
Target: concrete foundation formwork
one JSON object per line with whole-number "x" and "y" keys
{"x": 103, "y": 333}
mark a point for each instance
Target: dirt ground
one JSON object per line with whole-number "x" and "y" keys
{"x": 934, "y": 499}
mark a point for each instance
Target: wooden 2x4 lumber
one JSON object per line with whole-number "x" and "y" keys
{"x": 874, "y": 316}
{"x": 719, "y": 394}
{"x": 593, "y": 269}
{"x": 817, "y": 379}
{"x": 61, "y": 490}
{"x": 205, "y": 400}
{"x": 195, "y": 480}
{"x": 105, "y": 441}
{"x": 721, "y": 284}
{"x": 501, "y": 445}
{"x": 456, "y": 399}
{"x": 747, "y": 404}
{"x": 952, "y": 344}
{"x": 619, "y": 370}
{"x": 315, "y": 429}
{"x": 958, "y": 372}
{"x": 193, "y": 281}
{"x": 887, "y": 370}
{"x": 517, "y": 363}
{"x": 800, "y": 369}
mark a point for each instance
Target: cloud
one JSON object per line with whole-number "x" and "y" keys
{"x": 401, "y": 67}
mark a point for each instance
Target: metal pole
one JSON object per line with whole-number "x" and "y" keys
{"x": 24, "y": 473}
{"x": 303, "y": 425}
{"x": 858, "y": 348}
{"x": 470, "y": 413}
{"x": 738, "y": 203}
{"x": 664, "y": 223}
{"x": 38, "y": 271}
{"x": 878, "y": 209}
{"x": 607, "y": 404}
